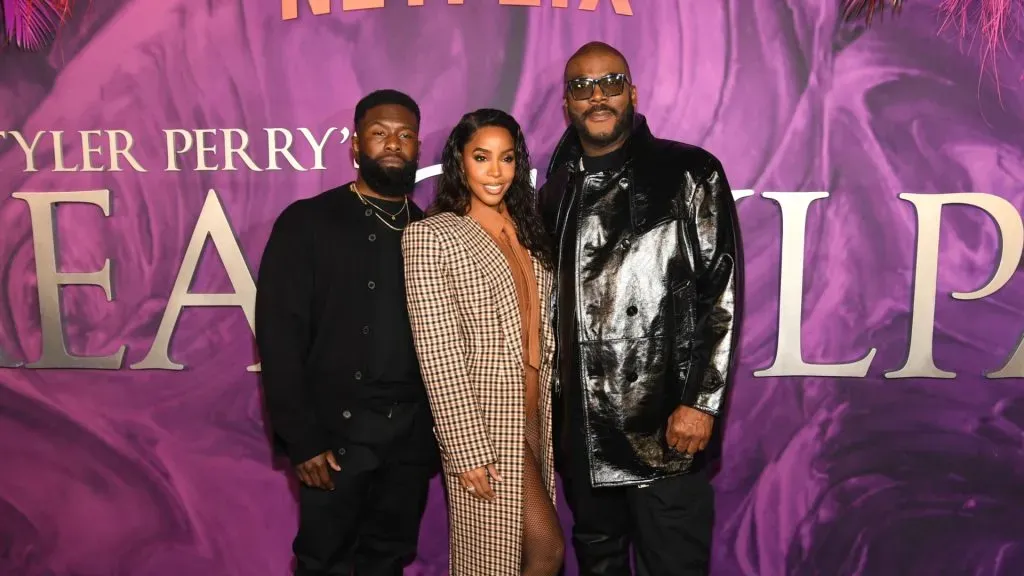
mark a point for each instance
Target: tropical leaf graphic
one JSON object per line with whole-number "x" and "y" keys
{"x": 32, "y": 24}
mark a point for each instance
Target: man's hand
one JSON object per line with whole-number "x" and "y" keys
{"x": 314, "y": 473}
{"x": 689, "y": 430}
{"x": 476, "y": 483}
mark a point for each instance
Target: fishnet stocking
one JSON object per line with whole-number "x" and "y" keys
{"x": 543, "y": 546}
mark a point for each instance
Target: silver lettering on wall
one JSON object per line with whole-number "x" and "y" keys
{"x": 920, "y": 362}
{"x": 789, "y": 359}
{"x": 213, "y": 223}
{"x": 42, "y": 207}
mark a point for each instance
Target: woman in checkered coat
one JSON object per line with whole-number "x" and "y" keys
{"x": 478, "y": 278}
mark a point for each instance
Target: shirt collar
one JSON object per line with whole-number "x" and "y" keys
{"x": 490, "y": 219}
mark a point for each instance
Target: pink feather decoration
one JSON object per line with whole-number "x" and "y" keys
{"x": 993, "y": 18}
{"x": 32, "y": 24}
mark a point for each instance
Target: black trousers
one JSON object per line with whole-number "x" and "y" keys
{"x": 668, "y": 522}
{"x": 369, "y": 524}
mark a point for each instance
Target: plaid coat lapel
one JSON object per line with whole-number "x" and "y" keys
{"x": 494, "y": 266}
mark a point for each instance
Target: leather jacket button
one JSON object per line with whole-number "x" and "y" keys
{"x": 631, "y": 311}
{"x": 358, "y": 375}
{"x": 346, "y": 414}
{"x": 624, "y": 183}
{"x": 369, "y": 212}
{"x": 366, "y": 329}
{"x": 341, "y": 451}
{"x": 371, "y": 237}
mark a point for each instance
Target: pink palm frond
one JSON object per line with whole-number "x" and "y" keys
{"x": 868, "y": 8}
{"x": 32, "y": 24}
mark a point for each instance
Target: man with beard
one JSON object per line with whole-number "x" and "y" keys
{"x": 339, "y": 370}
{"x": 645, "y": 231}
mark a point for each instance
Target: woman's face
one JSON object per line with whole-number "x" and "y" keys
{"x": 489, "y": 163}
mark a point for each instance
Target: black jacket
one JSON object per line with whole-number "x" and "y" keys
{"x": 317, "y": 292}
{"x": 653, "y": 281}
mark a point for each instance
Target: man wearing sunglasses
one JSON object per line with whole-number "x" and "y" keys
{"x": 648, "y": 275}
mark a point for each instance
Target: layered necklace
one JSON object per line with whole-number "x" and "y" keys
{"x": 377, "y": 210}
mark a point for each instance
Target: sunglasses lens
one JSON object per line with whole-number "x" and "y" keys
{"x": 612, "y": 85}
{"x": 581, "y": 89}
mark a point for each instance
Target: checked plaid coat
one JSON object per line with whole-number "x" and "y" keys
{"x": 466, "y": 327}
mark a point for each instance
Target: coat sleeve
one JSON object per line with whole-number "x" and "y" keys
{"x": 719, "y": 274}
{"x": 284, "y": 290}
{"x": 441, "y": 349}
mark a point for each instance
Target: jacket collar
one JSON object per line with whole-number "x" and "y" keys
{"x": 641, "y": 167}
{"x": 569, "y": 149}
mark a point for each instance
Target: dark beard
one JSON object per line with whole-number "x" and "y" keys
{"x": 623, "y": 124}
{"x": 388, "y": 182}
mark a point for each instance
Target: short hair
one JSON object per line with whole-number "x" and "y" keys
{"x": 596, "y": 47}
{"x": 383, "y": 97}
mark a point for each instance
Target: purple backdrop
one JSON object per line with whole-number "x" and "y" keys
{"x": 169, "y": 473}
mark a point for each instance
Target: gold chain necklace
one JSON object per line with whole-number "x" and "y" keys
{"x": 377, "y": 209}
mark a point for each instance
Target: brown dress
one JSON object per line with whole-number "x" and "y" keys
{"x": 542, "y": 535}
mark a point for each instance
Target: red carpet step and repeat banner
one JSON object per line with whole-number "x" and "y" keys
{"x": 876, "y": 419}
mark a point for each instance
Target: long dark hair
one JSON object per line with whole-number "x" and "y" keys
{"x": 453, "y": 193}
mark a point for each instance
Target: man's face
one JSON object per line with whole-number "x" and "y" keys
{"x": 387, "y": 148}
{"x": 602, "y": 121}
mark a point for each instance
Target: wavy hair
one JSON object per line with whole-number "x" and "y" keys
{"x": 453, "y": 192}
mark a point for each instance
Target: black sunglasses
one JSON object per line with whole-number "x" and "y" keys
{"x": 611, "y": 85}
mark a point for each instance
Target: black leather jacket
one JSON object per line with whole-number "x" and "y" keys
{"x": 653, "y": 284}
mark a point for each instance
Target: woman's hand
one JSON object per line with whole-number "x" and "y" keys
{"x": 476, "y": 483}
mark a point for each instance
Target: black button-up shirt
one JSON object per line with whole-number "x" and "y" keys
{"x": 331, "y": 322}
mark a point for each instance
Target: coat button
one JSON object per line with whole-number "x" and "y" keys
{"x": 358, "y": 375}
{"x": 346, "y": 414}
{"x": 631, "y": 311}
{"x": 371, "y": 285}
{"x": 369, "y": 212}
{"x": 341, "y": 451}
{"x": 366, "y": 329}
{"x": 372, "y": 237}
